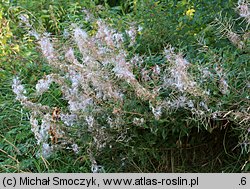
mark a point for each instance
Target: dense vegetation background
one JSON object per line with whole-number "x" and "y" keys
{"x": 212, "y": 35}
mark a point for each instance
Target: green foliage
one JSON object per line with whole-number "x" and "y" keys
{"x": 170, "y": 21}
{"x": 174, "y": 143}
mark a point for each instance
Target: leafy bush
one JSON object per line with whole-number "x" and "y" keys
{"x": 176, "y": 22}
{"x": 178, "y": 109}
{"x": 108, "y": 97}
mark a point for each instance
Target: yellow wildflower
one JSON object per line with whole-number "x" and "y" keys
{"x": 190, "y": 12}
{"x": 16, "y": 48}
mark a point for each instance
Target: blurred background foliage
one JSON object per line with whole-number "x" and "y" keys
{"x": 176, "y": 144}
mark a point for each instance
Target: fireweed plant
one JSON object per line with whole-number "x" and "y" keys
{"x": 98, "y": 76}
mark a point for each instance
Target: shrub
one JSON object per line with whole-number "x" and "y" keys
{"x": 107, "y": 93}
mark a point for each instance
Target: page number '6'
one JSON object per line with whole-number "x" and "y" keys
{"x": 243, "y": 181}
